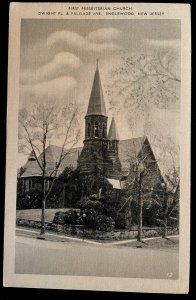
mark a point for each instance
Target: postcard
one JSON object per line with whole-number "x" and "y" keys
{"x": 98, "y": 147}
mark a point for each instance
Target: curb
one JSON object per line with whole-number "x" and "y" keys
{"x": 135, "y": 240}
{"x": 93, "y": 242}
{"x": 61, "y": 236}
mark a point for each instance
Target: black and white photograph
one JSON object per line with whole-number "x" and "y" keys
{"x": 98, "y": 182}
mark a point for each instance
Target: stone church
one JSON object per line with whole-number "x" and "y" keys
{"x": 102, "y": 154}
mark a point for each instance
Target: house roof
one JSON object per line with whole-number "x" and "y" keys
{"x": 52, "y": 155}
{"x": 128, "y": 151}
{"x": 113, "y": 132}
{"x": 96, "y": 104}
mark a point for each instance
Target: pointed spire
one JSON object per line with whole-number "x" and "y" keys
{"x": 96, "y": 104}
{"x": 31, "y": 156}
{"x": 113, "y": 132}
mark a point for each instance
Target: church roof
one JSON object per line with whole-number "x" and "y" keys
{"x": 128, "y": 151}
{"x": 113, "y": 132}
{"x": 96, "y": 104}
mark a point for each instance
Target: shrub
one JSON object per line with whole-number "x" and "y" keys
{"x": 108, "y": 209}
{"x": 151, "y": 233}
{"x": 69, "y": 217}
{"x": 86, "y": 203}
{"x": 89, "y": 219}
{"x": 31, "y": 200}
{"x": 104, "y": 223}
{"x": 94, "y": 219}
{"x": 59, "y": 218}
{"x": 96, "y": 197}
{"x": 120, "y": 221}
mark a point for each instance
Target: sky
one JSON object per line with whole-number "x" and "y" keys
{"x": 58, "y": 61}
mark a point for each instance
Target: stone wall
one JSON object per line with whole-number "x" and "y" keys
{"x": 80, "y": 232}
{"x": 66, "y": 229}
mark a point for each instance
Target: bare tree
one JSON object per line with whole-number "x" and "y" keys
{"x": 142, "y": 82}
{"x": 146, "y": 79}
{"x": 166, "y": 198}
{"x": 37, "y": 127}
{"x": 143, "y": 175}
{"x": 147, "y": 185}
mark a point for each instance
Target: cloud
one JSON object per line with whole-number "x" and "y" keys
{"x": 104, "y": 35}
{"x": 163, "y": 43}
{"x": 48, "y": 90}
{"x": 55, "y": 68}
{"x": 98, "y": 40}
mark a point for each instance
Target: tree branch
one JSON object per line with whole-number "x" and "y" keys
{"x": 32, "y": 146}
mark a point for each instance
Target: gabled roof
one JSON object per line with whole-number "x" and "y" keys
{"x": 129, "y": 150}
{"x": 113, "y": 132}
{"x": 52, "y": 155}
{"x": 96, "y": 104}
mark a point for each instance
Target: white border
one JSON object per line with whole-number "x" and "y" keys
{"x": 171, "y": 11}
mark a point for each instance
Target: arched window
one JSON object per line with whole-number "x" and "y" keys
{"x": 104, "y": 131}
{"x": 88, "y": 130}
{"x": 96, "y": 129}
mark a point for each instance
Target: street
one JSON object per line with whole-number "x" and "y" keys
{"x": 69, "y": 257}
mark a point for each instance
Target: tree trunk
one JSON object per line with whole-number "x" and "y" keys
{"x": 64, "y": 194}
{"x": 139, "y": 238}
{"x": 165, "y": 228}
{"x": 43, "y": 186}
{"x": 165, "y": 214}
{"x": 43, "y": 205}
{"x": 140, "y": 212}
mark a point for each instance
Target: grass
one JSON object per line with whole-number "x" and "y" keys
{"x": 156, "y": 243}
{"x": 35, "y": 214}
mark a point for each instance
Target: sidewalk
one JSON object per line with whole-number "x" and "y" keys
{"x": 52, "y": 236}
{"x": 57, "y": 237}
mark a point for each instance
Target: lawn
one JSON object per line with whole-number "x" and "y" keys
{"x": 116, "y": 235}
{"x": 35, "y": 214}
{"x": 168, "y": 243}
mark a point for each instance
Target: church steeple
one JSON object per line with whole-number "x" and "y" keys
{"x": 96, "y": 118}
{"x": 96, "y": 104}
{"x": 114, "y": 169}
{"x": 99, "y": 155}
{"x": 113, "y": 132}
